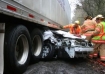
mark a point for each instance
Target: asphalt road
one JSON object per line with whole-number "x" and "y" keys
{"x": 72, "y": 66}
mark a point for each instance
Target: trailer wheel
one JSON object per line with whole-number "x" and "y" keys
{"x": 17, "y": 50}
{"x": 48, "y": 51}
{"x": 37, "y": 44}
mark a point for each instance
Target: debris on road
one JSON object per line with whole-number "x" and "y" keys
{"x": 72, "y": 66}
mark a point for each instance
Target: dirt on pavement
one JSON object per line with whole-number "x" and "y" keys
{"x": 72, "y": 66}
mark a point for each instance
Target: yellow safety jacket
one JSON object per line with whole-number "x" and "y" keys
{"x": 100, "y": 38}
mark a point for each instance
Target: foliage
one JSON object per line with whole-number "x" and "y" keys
{"x": 93, "y": 7}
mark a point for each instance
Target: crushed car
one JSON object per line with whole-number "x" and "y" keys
{"x": 63, "y": 44}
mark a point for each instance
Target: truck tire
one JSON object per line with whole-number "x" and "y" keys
{"x": 48, "y": 51}
{"x": 37, "y": 44}
{"x": 17, "y": 50}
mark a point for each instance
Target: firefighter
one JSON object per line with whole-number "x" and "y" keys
{"x": 88, "y": 27}
{"x": 95, "y": 52}
{"x": 98, "y": 37}
{"x": 74, "y": 28}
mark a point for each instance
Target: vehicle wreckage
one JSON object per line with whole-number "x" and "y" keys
{"x": 61, "y": 44}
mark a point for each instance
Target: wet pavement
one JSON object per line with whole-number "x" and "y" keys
{"x": 71, "y": 66}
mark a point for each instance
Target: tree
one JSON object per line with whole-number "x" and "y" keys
{"x": 93, "y": 7}
{"x": 89, "y": 7}
{"x": 79, "y": 14}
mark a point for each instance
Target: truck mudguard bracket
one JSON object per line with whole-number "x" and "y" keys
{"x": 2, "y": 32}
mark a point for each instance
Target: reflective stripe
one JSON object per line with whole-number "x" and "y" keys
{"x": 88, "y": 34}
{"x": 103, "y": 27}
{"x": 95, "y": 54}
{"x": 98, "y": 41}
{"x": 102, "y": 57}
{"x": 49, "y": 23}
{"x": 89, "y": 27}
{"x": 41, "y": 20}
{"x": 11, "y": 8}
{"x": 30, "y": 15}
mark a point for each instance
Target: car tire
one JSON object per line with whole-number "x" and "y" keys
{"x": 48, "y": 51}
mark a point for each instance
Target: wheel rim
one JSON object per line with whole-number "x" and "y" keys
{"x": 37, "y": 45}
{"x": 21, "y": 49}
{"x": 46, "y": 51}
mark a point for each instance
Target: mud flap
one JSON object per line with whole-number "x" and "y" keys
{"x": 70, "y": 51}
{"x": 2, "y": 31}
